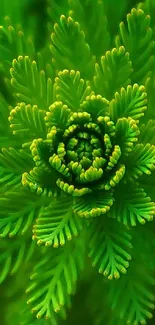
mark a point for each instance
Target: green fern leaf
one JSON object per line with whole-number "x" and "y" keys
{"x": 92, "y": 18}
{"x": 31, "y": 85}
{"x": 127, "y": 134}
{"x": 135, "y": 206}
{"x": 113, "y": 72}
{"x": 12, "y": 163}
{"x": 129, "y": 102}
{"x": 71, "y": 89}
{"x": 110, "y": 246}
{"x": 137, "y": 40}
{"x": 91, "y": 206}
{"x": 56, "y": 223}
{"x": 27, "y": 122}
{"x": 57, "y": 116}
{"x": 61, "y": 270}
{"x": 13, "y": 43}
{"x": 67, "y": 38}
{"x": 14, "y": 221}
{"x": 140, "y": 161}
{"x": 97, "y": 106}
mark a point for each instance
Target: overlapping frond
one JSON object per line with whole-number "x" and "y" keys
{"x": 69, "y": 48}
{"x": 129, "y": 102}
{"x": 141, "y": 161}
{"x": 71, "y": 89}
{"x": 27, "y": 122}
{"x": 12, "y": 163}
{"x": 91, "y": 206}
{"x": 110, "y": 247}
{"x": 31, "y": 85}
{"x": 127, "y": 133}
{"x": 137, "y": 40}
{"x": 13, "y": 43}
{"x": 92, "y": 18}
{"x": 61, "y": 270}
{"x": 135, "y": 206}
{"x": 113, "y": 72}
{"x": 56, "y": 224}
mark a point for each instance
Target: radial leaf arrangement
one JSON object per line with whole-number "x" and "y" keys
{"x": 77, "y": 168}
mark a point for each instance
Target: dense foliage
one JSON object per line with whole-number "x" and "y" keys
{"x": 77, "y": 165}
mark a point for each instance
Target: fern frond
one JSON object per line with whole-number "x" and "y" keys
{"x": 27, "y": 122}
{"x": 141, "y": 161}
{"x": 110, "y": 246}
{"x": 135, "y": 206}
{"x": 71, "y": 89}
{"x": 12, "y": 164}
{"x": 90, "y": 206}
{"x": 129, "y": 102}
{"x": 15, "y": 221}
{"x": 137, "y": 40}
{"x": 97, "y": 106}
{"x": 56, "y": 224}
{"x": 94, "y": 24}
{"x": 61, "y": 270}
{"x": 69, "y": 48}
{"x": 113, "y": 72}
{"x": 31, "y": 85}
{"x": 13, "y": 43}
{"x": 58, "y": 116}
{"x": 127, "y": 133}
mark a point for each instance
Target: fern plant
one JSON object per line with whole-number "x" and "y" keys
{"x": 77, "y": 167}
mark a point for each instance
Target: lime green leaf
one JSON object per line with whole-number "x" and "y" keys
{"x": 56, "y": 223}
{"x": 95, "y": 105}
{"x": 15, "y": 161}
{"x": 110, "y": 246}
{"x": 93, "y": 24}
{"x": 71, "y": 89}
{"x": 92, "y": 205}
{"x": 140, "y": 161}
{"x": 137, "y": 40}
{"x": 129, "y": 102}
{"x": 69, "y": 48}
{"x": 58, "y": 116}
{"x": 135, "y": 206}
{"x": 12, "y": 164}
{"x": 126, "y": 134}
{"x": 27, "y": 122}
{"x": 13, "y": 43}
{"x": 113, "y": 72}
{"x": 31, "y": 85}
{"x": 54, "y": 279}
